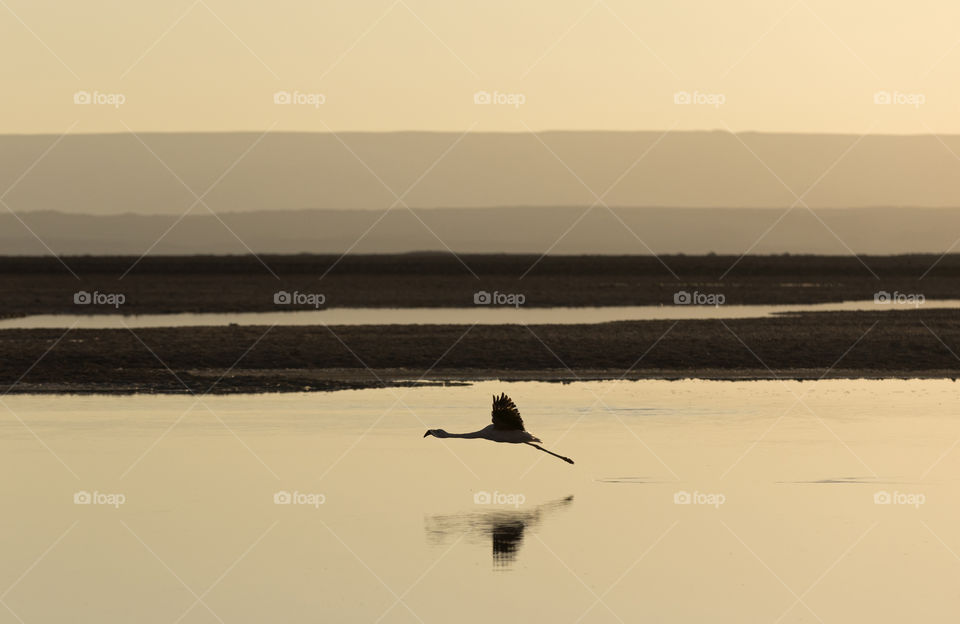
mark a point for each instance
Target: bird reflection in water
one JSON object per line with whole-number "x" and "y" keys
{"x": 504, "y": 527}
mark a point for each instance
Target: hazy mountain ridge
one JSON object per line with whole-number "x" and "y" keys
{"x": 484, "y": 192}
{"x": 162, "y": 173}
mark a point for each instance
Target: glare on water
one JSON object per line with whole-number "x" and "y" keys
{"x": 689, "y": 501}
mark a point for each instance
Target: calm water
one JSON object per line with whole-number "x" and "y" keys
{"x": 481, "y": 315}
{"x": 384, "y": 525}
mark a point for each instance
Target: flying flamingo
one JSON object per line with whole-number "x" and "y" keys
{"x": 507, "y": 427}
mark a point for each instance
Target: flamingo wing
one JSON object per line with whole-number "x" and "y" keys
{"x": 505, "y": 414}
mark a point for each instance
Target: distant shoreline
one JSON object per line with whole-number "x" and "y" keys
{"x": 915, "y": 343}
{"x": 279, "y": 382}
{"x": 243, "y": 359}
{"x": 198, "y": 284}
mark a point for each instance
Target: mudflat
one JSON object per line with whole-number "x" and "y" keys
{"x": 45, "y": 285}
{"x": 916, "y": 343}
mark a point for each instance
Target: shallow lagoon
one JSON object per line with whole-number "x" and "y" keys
{"x": 690, "y": 501}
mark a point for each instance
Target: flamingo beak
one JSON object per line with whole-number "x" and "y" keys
{"x": 429, "y": 432}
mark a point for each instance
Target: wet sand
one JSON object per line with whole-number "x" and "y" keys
{"x": 162, "y": 285}
{"x": 901, "y": 344}
{"x": 231, "y": 359}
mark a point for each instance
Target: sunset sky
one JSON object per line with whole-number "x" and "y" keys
{"x": 216, "y": 65}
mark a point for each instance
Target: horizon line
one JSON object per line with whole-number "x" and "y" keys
{"x": 661, "y": 131}
{"x": 276, "y": 211}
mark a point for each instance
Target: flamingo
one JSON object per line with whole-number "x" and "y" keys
{"x": 507, "y": 427}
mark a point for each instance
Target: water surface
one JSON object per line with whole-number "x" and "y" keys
{"x": 481, "y": 315}
{"x": 690, "y": 501}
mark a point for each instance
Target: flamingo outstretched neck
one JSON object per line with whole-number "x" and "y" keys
{"x": 440, "y": 433}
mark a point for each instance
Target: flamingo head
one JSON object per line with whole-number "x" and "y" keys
{"x": 437, "y": 433}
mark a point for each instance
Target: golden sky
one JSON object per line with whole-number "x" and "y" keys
{"x": 495, "y": 65}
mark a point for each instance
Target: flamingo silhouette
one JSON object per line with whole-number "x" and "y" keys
{"x": 507, "y": 427}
